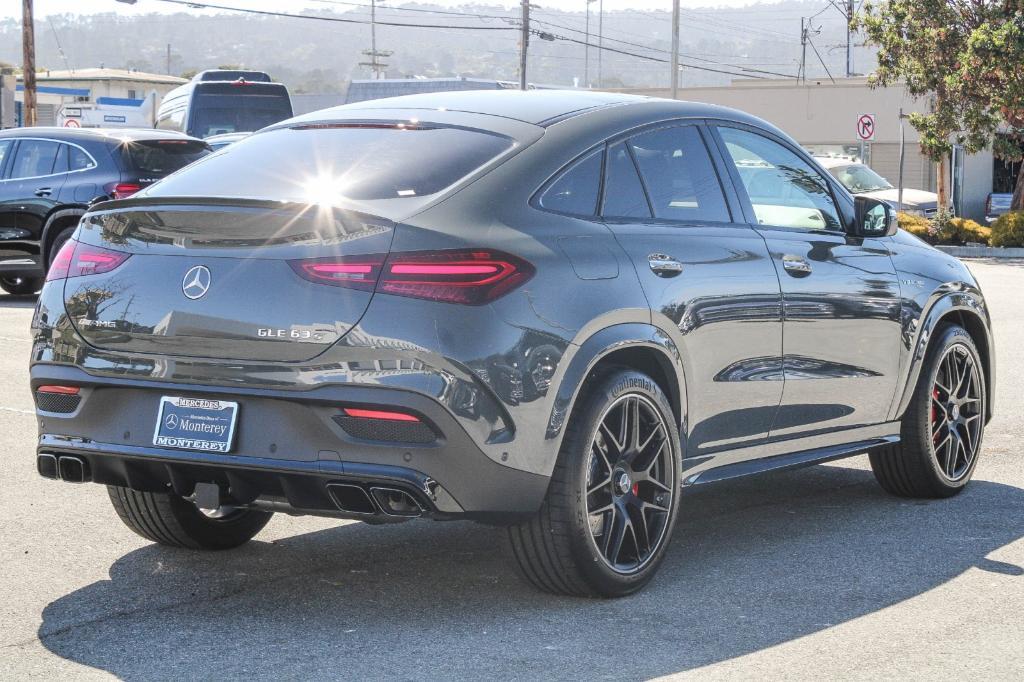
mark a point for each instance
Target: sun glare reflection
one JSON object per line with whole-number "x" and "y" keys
{"x": 324, "y": 190}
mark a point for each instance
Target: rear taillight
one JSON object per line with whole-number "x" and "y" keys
{"x": 123, "y": 190}
{"x": 76, "y": 259}
{"x": 355, "y": 272}
{"x": 470, "y": 277}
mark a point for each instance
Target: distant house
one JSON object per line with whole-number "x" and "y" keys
{"x": 96, "y": 85}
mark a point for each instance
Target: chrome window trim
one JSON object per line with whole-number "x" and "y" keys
{"x": 95, "y": 164}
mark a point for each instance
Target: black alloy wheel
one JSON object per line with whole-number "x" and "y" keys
{"x": 630, "y": 483}
{"x": 956, "y": 417}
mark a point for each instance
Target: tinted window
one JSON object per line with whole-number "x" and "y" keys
{"x": 227, "y": 108}
{"x": 575, "y": 190}
{"x": 623, "y": 194}
{"x": 5, "y": 146}
{"x": 783, "y": 189}
{"x": 34, "y": 158}
{"x": 328, "y": 164}
{"x": 162, "y": 157}
{"x": 78, "y": 159}
{"x": 680, "y": 179}
{"x": 60, "y": 165}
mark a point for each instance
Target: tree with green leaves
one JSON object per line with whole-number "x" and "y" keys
{"x": 968, "y": 57}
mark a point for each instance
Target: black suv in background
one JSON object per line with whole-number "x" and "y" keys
{"x": 50, "y": 176}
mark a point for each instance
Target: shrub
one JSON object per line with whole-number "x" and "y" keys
{"x": 961, "y": 230}
{"x": 916, "y": 225}
{"x": 1008, "y": 229}
{"x": 945, "y": 229}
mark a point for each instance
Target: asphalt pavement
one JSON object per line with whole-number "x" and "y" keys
{"x": 813, "y": 573}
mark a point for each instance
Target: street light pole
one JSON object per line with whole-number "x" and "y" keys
{"x": 899, "y": 176}
{"x": 675, "y": 49}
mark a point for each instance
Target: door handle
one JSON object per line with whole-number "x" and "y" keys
{"x": 796, "y": 266}
{"x": 664, "y": 266}
{"x": 44, "y": 191}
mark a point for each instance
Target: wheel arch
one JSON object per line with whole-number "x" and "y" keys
{"x": 56, "y": 223}
{"x": 967, "y": 309}
{"x": 642, "y": 347}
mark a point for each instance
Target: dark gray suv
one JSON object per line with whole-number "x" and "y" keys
{"x": 549, "y": 311}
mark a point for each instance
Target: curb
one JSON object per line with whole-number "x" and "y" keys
{"x": 982, "y": 251}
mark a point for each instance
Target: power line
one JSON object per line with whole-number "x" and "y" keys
{"x": 663, "y": 51}
{"x": 745, "y": 72}
{"x": 340, "y": 20}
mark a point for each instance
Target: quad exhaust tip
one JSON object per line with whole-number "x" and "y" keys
{"x": 46, "y": 465}
{"x": 355, "y": 499}
{"x": 395, "y": 502}
{"x": 63, "y": 467}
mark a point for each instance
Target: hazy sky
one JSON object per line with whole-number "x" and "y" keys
{"x": 10, "y": 8}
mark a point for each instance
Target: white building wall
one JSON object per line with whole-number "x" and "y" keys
{"x": 825, "y": 113}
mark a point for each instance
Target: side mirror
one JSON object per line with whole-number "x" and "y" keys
{"x": 873, "y": 218}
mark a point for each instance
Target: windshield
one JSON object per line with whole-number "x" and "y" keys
{"x": 859, "y": 178}
{"x": 163, "y": 157}
{"x": 327, "y": 164}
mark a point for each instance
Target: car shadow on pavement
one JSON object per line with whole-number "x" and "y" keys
{"x": 754, "y": 563}
{"x": 11, "y": 301}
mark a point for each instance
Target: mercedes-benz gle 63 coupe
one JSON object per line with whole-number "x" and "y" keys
{"x": 549, "y": 311}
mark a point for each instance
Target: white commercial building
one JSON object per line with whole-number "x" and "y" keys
{"x": 119, "y": 87}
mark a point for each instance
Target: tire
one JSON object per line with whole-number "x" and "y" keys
{"x": 174, "y": 521}
{"x": 58, "y": 242}
{"x": 920, "y": 466}
{"x": 558, "y": 549}
{"x": 21, "y": 286}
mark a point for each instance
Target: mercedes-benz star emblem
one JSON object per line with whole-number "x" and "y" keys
{"x": 196, "y": 282}
{"x": 171, "y": 421}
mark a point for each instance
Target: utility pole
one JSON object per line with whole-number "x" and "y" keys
{"x": 675, "y": 49}
{"x": 524, "y": 43}
{"x": 28, "y": 68}
{"x": 377, "y": 67}
{"x": 586, "y": 49}
{"x": 600, "y": 42}
{"x": 802, "y": 73}
{"x": 849, "y": 47}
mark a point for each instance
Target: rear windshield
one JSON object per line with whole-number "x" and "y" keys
{"x": 325, "y": 165}
{"x": 162, "y": 157}
{"x": 229, "y": 108}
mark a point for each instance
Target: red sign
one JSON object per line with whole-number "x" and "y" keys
{"x": 866, "y": 127}
{"x": 72, "y": 123}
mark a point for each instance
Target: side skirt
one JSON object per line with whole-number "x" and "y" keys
{"x": 737, "y": 463}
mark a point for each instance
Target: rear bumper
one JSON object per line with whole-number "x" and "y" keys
{"x": 289, "y": 449}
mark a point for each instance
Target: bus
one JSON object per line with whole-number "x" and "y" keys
{"x": 220, "y": 101}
